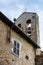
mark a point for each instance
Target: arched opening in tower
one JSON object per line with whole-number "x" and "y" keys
{"x": 28, "y": 27}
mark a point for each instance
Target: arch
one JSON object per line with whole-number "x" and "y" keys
{"x": 28, "y": 21}
{"x": 19, "y": 25}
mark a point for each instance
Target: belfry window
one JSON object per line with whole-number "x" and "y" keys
{"x": 19, "y": 25}
{"x": 28, "y": 27}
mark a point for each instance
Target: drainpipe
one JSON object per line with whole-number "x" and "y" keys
{"x": 35, "y": 56}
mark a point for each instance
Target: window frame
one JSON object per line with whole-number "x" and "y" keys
{"x": 19, "y": 48}
{"x": 17, "y": 54}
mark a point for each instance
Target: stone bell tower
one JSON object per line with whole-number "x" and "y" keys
{"x": 28, "y": 22}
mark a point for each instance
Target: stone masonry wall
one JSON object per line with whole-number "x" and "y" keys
{"x": 6, "y": 56}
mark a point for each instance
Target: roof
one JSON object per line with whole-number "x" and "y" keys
{"x": 27, "y": 13}
{"x": 17, "y": 30}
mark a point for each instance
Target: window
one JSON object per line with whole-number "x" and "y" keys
{"x": 28, "y": 21}
{"x": 26, "y": 57}
{"x": 16, "y": 48}
{"x": 28, "y": 29}
{"x": 19, "y": 25}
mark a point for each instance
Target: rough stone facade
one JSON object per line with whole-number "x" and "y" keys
{"x": 39, "y": 59}
{"x": 6, "y": 56}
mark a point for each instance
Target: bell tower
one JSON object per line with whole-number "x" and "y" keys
{"x": 28, "y": 22}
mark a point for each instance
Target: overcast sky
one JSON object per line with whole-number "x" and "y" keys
{"x": 13, "y": 8}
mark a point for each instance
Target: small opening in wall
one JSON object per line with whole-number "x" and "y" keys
{"x": 12, "y": 59}
{"x": 29, "y": 28}
{"x": 19, "y": 25}
{"x": 28, "y": 21}
{"x": 26, "y": 57}
{"x": 29, "y": 32}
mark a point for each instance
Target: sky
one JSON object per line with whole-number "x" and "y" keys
{"x": 13, "y": 8}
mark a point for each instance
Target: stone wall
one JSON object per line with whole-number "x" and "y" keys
{"x": 39, "y": 59}
{"x": 6, "y": 56}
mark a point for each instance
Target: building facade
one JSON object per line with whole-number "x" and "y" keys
{"x": 39, "y": 59}
{"x": 16, "y": 48}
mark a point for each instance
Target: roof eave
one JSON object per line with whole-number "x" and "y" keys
{"x": 15, "y": 28}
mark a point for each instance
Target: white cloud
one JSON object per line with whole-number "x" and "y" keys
{"x": 20, "y": 6}
{"x": 4, "y": 2}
